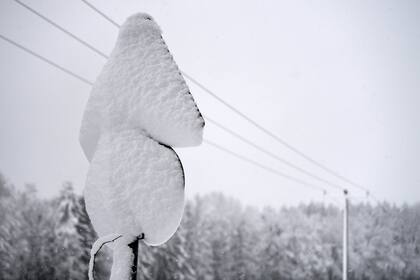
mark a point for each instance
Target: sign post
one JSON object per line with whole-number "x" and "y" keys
{"x": 135, "y": 248}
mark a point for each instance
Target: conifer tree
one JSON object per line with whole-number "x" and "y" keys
{"x": 69, "y": 249}
{"x": 174, "y": 258}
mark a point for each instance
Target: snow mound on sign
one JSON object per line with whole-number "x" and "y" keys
{"x": 142, "y": 87}
{"x": 134, "y": 185}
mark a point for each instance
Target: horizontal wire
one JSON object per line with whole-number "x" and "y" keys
{"x": 272, "y": 155}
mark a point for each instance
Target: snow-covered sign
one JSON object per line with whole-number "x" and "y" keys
{"x": 139, "y": 107}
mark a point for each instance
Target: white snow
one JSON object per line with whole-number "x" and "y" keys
{"x": 122, "y": 262}
{"x": 134, "y": 185}
{"x": 139, "y": 106}
{"x": 142, "y": 87}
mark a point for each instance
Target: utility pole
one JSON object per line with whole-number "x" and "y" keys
{"x": 346, "y": 236}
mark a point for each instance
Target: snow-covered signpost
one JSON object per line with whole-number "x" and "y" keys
{"x": 139, "y": 107}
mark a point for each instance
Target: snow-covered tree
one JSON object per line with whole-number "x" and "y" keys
{"x": 197, "y": 232}
{"x": 69, "y": 249}
{"x": 218, "y": 239}
{"x": 26, "y": 236}
{"x": 174, "y": 258}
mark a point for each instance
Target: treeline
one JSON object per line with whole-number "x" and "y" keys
{"x": 218, "y": 239}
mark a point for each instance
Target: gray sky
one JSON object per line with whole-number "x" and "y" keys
{"x": 338, "y": 80}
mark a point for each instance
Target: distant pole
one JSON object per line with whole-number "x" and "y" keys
{"x": 135, "y": 248}
{"x": 346, "y": 236}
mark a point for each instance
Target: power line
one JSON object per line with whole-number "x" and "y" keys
{"x": 32, "y": 10}
{"x": 269, "y": 169}
{"x": 272, "y": 135}
{"x": 46, "y": 60}
{"x": 272, "y": 155}
{"x": 101, "y": 13}
{"x": 244, "y": 116}
{"x": 91, "y": 47}
{"x": 97, "y": 51}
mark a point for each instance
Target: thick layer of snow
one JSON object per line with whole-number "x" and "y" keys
{"x": 142, "y": 87}
{"x": 134, "y": 185}
{"x": 139, "y": 106}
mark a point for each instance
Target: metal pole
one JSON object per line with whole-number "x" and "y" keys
{"x": 135, "y": 247}
{"x": 346, "y": 236}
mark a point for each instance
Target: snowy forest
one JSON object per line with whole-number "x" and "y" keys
{"x": 219, "y": 238}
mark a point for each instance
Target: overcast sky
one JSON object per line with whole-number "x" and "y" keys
{"x": 339, "y": 80}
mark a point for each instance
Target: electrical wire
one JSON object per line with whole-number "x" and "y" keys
{"x": 91, "y": 47}
{"x": 61, "y": 28}
{"x": 101, "y": 13}
{"x": 272, "y": 155}
{"x": 234, "y": 109}
{"x": 269, "y": 169}
{"x": 271, "y": 134}
{"x": 46, "y": 60}
{"x": 251, "y": 121}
